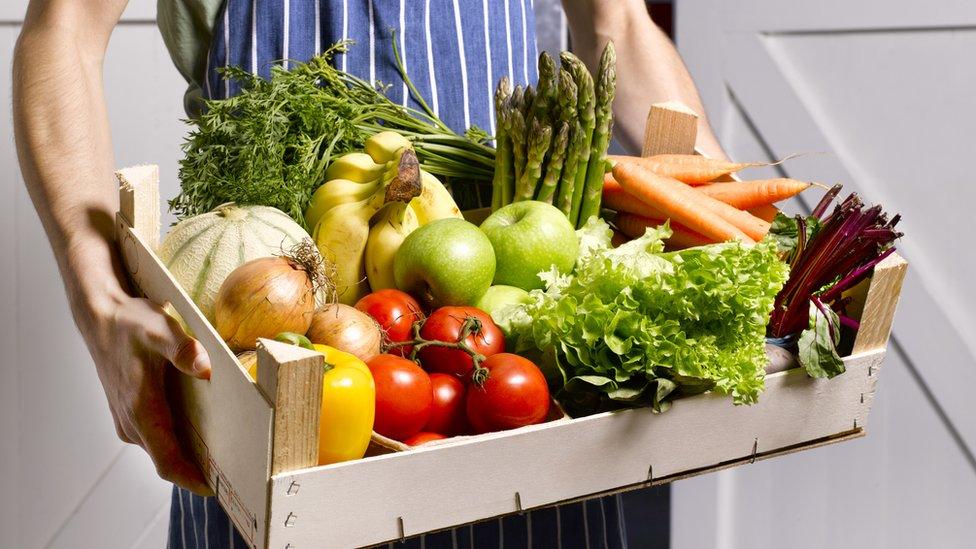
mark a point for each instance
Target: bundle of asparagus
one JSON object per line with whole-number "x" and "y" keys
{"x": 551, "y": 141}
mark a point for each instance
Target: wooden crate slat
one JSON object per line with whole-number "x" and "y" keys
{"x": 226, "y": 421}
{"x": 430, "y": 489}
{"x": 292, "y": 378}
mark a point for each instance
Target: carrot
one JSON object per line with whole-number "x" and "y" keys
{"x": 692, "y": 169}
{"x": 616, "y": 198}
{"x": 679, "y": 202}
{"x": 749, "y": 194}
{"x": 635, "y": 226}
{"x": 766, "y": 212}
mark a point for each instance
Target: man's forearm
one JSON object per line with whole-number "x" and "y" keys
{"x": 649, "y": 69}
{"x": 64, "y": 145}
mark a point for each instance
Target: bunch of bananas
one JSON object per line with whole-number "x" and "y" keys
{"x": 369, "y": 203}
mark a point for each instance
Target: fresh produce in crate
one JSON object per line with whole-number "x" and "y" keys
{"x": 404, "y": 396}
{"x": 271, "y": 143}
{"x": 634, "y": 326}
{"x": 201, "y": 251}
{"x": 528, "y": 238}
{"x": 447, "y": 415}
{"x": 471, "y": 330}
{"x": 446, "y": 262}
{"x": 828, "y": 254}
{"x": 269, "y": 295}
{"x": 395, "y": 312}
{"x": 362, "y": 235}
{"x": 346, "y": 329}
{"x": 551, "y": 142}
{"x": 506, "y": 392}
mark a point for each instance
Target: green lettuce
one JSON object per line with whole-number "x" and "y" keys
{"x": 635, "y": 325}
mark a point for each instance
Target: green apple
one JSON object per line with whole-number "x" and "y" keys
{"x": 530, "y": 237}
{"x": 501, "y": 296}
{"x": 445, "y": 262}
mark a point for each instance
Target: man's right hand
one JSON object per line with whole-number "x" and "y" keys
{"x": 133, "y": 341}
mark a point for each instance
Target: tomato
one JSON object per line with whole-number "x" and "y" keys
{"x": 445, "y": 324}
{"x": 395, "y": 312}
{"x": 423, "y": 437}
{"x": 447, "y": 415}
{"x": 514, "y": 395}
{"x": 403, "y": 396}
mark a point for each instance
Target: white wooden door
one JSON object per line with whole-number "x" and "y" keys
{"x": 67, "y": 480}
{"x": 881, "y": 94}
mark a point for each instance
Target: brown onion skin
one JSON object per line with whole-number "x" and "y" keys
{"x": 347, "y": 329}
{"x": 263, "y": 298}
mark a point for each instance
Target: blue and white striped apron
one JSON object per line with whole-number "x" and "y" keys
{"x": 454, "y": 51}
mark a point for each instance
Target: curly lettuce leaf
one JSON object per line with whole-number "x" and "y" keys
{"x": 634, "y": 325}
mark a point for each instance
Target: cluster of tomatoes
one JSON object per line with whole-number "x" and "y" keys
{"x": 464, "y": 383}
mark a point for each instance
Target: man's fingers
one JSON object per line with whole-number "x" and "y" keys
{"x": 156, "y": 430}
{"x": 167, "y": 338}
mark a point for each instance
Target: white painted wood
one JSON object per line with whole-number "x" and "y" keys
{"x": 888, "y": 108}
{"x": 433, "y": 488}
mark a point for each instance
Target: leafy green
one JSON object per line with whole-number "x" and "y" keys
{"x": 634, "y": 325}
{"x": 785, "y": 231}
{"x": 818, "y": 343}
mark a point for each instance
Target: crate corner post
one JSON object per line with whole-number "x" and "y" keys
{"x": 880, "y": 304}
{"x": 672, "y": 128}
{"x": 291, "y": 378}
{"x": 139, "y": 201}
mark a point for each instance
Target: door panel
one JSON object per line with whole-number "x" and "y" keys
{"x": 881, "y": 99}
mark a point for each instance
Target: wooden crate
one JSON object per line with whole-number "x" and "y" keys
{"x": 256, "y": 442}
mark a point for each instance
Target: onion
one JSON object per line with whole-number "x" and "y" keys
{"x": 267, "y": 296}
{"x": 347, "y": 329}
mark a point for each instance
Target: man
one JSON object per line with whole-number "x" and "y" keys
{"x": 455, "y": 51}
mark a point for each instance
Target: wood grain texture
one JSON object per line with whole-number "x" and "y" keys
{"x": 880, "y": 305}
{"x": 139, "y": 201}
{"x": 672, "y": 128}
{"x": 292, "y": 378}
{"x": 227, "y": 420}
{"x": 631, "y": 446}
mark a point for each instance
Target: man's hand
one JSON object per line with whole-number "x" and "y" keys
{"x": 133, "y": 341}
{"x": 65, "y": 151}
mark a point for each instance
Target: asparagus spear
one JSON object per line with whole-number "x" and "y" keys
{"x": 555, "y": 166}
{"x": 606, "y": 89}
{"x": 545, "y": 93}
{"x": 516, "y": 133}
{"x": 567, "y": 97}
{"x": 526, "y": 107}
{"x": 515, "y": 101}
{"x": 503, "y": 147}
{"x": 567, "y": 181}
{"x": 535, "y": 153}
{"x": 585, "y": 105}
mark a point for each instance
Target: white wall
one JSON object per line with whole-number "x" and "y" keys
{"x": 68, "y": 481}
{"x": 882, "y": 93}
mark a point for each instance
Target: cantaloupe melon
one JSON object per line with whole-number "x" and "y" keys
{"x": 202, "y": 250}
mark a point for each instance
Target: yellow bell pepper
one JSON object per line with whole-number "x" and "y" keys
{"x": 348, "y": 405}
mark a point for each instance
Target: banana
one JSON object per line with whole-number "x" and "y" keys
{"x": 340, "y": 236}
{"x": 335, "y": 192}
{"x": 357, "y": 166}
{"x": 434, "y": 202}
{"x": 392, "y": 224}
{"x": 342, "y": 231}
{"x": 382, "y": 147}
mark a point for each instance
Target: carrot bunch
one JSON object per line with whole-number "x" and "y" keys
{"x": 645, "y": 192}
